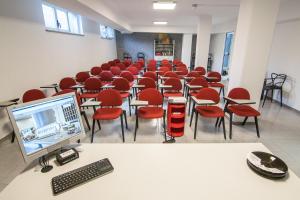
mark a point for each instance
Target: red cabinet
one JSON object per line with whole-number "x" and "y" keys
{"x": 176, "y": 117}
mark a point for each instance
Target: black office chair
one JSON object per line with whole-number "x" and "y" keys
{"x": 277, "y": 81}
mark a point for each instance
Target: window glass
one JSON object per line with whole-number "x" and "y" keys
{"x": 62, "y": 20}
{"x": 73, "y": 21}
{"x": 49, "y": 16}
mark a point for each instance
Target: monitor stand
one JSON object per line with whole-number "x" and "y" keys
{"x": 44, "y": 162}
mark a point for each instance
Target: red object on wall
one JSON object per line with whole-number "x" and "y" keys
{"x": 176, "y": 119}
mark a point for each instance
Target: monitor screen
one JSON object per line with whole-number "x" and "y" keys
{"x": 46, "y": 122}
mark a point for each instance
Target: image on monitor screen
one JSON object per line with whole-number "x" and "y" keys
{"x": 47, "y": 123}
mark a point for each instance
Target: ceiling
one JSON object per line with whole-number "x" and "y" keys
{"x": 140, "y": 12}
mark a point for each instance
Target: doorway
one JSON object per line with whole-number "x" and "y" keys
{"x": 227, "y": 52}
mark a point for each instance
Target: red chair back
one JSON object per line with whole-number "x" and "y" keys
{"x": 106, "y": 76}
{"x": 105, "y": 66}
{"x": 96, "y": 70}
{"x": 163, "y": 70}
{"x": 121, "y": 84}
{"x": 153, "y": 96}
{"x": 32, "y": 95}
{"x": 66, "y": 91}
{"x": 175, "y": 82}
{"x": 127, "y": 75}
{"x": 147, "y": 82}
{"x": 117, "y": 61}
{"x": 171, "y": 74}
{"x": 151, "y": 67}
{"x": 67, "y": 83}
{"x": 127, "y": 62}
{"x": 193, "y": 74}
{"x": 121, "y": 66}
{"x": 115, "y": 70}
{"x": 199, "y": 81}
{"x": 215, "y": 74}
{"x": 112, "y": 63}
{"x": 208, "y": 94}
{"x": 169, "y": 66}
{"x": 133, "y": 70}
{"x": 82, "y": 76}
{"x": 239, "y": 93}
{"x": 93, "y": 84}
{"x": 201, "y": 70}
{"x": 151, "y": 75}
{"x": 110, "y": 97}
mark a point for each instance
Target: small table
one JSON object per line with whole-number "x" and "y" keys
{"x": 53, "y": 86}
{"x": 191, "y": 87}
{"x": 77, "y": 86}
{"x": 162, "y": 87}
{"x": 108, "y": 86}
{"x": 240, "y": 101}
{"x": 203, "y": 102}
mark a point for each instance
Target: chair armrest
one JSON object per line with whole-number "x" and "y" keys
{"x": 135, "y": 102}
{"x": 240, "y": 101}
{"x": 203, "y": 102}
{"x": 91, "y": 103}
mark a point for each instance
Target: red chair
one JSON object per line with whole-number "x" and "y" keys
{"x": 200, "y": 81}
{"x": 241, "y": 110}
{"x": 208, "y": 110}
{"x": 169, "y": 66}
{"x": 151, "y": 75}
{"x": 216, "y": 82}
{"x": 67, "y": 83}
{"x": 92, "y": 87}
{"x": 121, "y": 66}
{"x": 147, "y": 82}
{"x": 171, "y": 74}
{"x": 122, "y": 85}
{"x": 112, "y": 63}
{"x": 134, "y": 71}
{"x": 127, "y": 62}
{"x": 129, "y": 76}
{"x": 201, "y": 70}
{"x": 105, "y": 67}
{"x": 95, "y": 71}
{"x": 151, "y": 67}
{"x": 163, "y": 70}
{"x": 182, "y": 72}
{"x": 82, "y": 76}
{"x": 117, "y": 61}
{"x": 111, "y": 101}
{"x": 174, "y": 91}
{"x": 176, "y": 61}
{"x": 32, "y": 95}
{"x": 154, "y": 110}
{"x": 106, "y": 77}
{"x": 115, "y": 70}
{"x": 82, "y": 112}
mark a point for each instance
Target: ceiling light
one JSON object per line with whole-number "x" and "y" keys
{"x": 164, "y": 5}
{"x": 160, "y": 23}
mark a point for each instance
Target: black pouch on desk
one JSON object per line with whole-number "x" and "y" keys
{"x": 67, "y": 156}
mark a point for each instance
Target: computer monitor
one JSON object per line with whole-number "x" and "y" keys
{"x": 46, "y": 125}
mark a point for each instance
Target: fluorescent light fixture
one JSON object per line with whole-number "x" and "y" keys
{"x": 160, "y": 23}
{"x": 164, "y": 5}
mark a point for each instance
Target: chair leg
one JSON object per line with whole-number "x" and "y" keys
{"x": 189, "y": 98}
{"x": 13, "y": 136}
{"x": 217, "y": 122}
{"x": 220, "y": 91}
{"x": 245, "y": 120}
{"x": 122, "y": 127}
{"x": 136, "y": 126}
{"x": 230, "y": 126}
{"x": 272, "y": 92}
{"x": 266, "y": 94}
{"x": 224, "y": 130}
{"x": 93, "y": 131}
{"x": 256, "y": 124}
{"x": 196, "y": 122}
{"x": 125, "y": 117}
{"x": 223, "y": 91}
{"x": 164, "y": 123}
{"x": 191, "y": 120}
{"x": 129, "y": 106}
{"x": 86, "y": 119}
{"x": 98, "y": 122}
{"x": 281, "y": 97}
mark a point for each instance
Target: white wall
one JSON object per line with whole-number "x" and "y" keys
{"x": 284, "y": 58}
{"x": 216, "y": 48}
{"x": 31, "y": 57}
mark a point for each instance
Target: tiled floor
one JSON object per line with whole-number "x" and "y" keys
{"x": 279, "y": 132}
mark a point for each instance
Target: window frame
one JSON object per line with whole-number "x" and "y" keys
{"x": 58, "y": 30}
{"x": 106, "y": 31}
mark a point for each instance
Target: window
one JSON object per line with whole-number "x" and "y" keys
{"x": 61, "y": 20}
{"x": 107, "y": 32}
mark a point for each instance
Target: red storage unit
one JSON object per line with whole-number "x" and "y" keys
{"x": 176, "y": 116}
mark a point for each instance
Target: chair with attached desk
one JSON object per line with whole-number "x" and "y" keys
{"x": 128, "y": 76}
{"x": 112, "y": 63}
{"x": 95, "y": 71}
{"x": 110, "y": 102}
{"x": 81, "y": 77}
{"x": 105, "y": 67}
{"x": 216, "y": 81}
{"x": 92, "y": 87}
{"x": 277, "y": 82}
{"x": 201, "y": 70}
{"x": 171, "y": 74}
{"x": 82, "y": 112}
{"x": 121, "y": 66}
{"x": 236, "y": 105}
{"x": 106, "y": 77}
{"x": 32, "y": 95}
{"x": 152, "y": 110}
{"x": 115, "y": 70}
{"x": 174, "y": 90}
{"x": 67, "y": 83}
{"x": 151, "y": 75}
{"x": 208, "y": 109}
{"x": 193, "y": 87}
{"x": 133, "y": 70}
{"x": 123, "y": 86}
{"x": 163, "y": 70}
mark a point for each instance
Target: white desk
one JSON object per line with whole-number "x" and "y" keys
{"x": 162, "y": 172}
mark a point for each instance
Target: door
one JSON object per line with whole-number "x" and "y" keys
{"x": 227, "y": 50}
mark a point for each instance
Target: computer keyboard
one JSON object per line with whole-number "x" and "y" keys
{"x": 81, "y": 175}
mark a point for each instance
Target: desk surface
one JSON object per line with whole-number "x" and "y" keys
{"x": 162, "y": 171}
